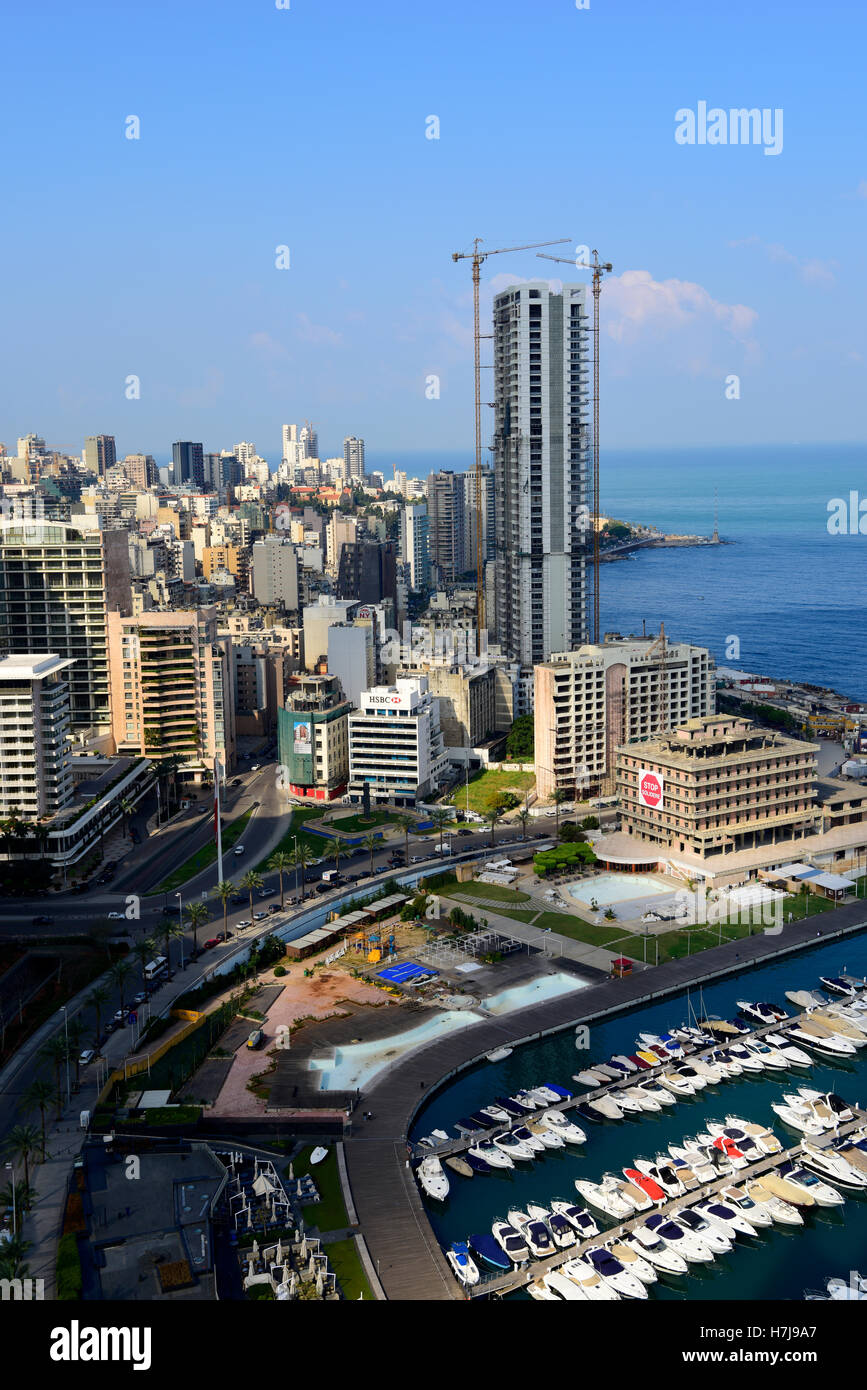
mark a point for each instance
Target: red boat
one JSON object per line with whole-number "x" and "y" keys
{"x": 728, "y": 1147}
{"x": 639, "y": 1061}
{"x": 650, "y": 1188}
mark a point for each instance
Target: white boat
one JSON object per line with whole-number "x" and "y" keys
{"x": 510, "y": 1241}
{"x": 607, "y": 1106}
{"x": 607, "y": 1199}
{"x": 771, "y": 1057}
{"x": 624, "y": 1061}
{"x": 688, "y": 1071}
{"x": 633, "y": 1194}
{"x": 781, "y": 1212}
{"x": 541, "y": 1293}
{"x": 678, "y": 1084}
{"x": 827, "y": 1105}
{"x": 712, "y": 1072}
{"x": 497, "y": 1158}
{"x": 726, "y": 1060}
{"x": 762, "y": 1013}
{"x": 500, "y": 1054}
{"x": 696, "y": 1173}
{"x": 527, "y": 1099}
{"x": 614, "y": 1272}
{"x": 805, "y": 998}
{"x": 799, "y": 1120}
{"x": 524, "y": 1135}
{"x": 726, "y": 1218}
{"x": 651, "y": 1248}
{"x": 590, "y": 1077}
{"x": 642, "y": 1098}
{"x": 840, "y": 1026}
{"x": 793, "y": 1055}
{"x": 543, "y": 1095}
{"x": 736, "y": 1128}
{"x": 549, "y": 1136}
{"x": 675, "y": 1237}
{"x": 463, "y": 1264}
{"x": 562, "y": 1231}
{"x": 718, "y": 1241}
{"x": 433, "y": 1179}
{"x": 585, "y": 1276}
{"x": 748, "y": 1060}
{"x": 663, "y": 1174}
{"x": 319, "y": 1154}
{"x": 821, "y": 1192}
{"x": 579, "y": 1218}
{"x": 610, "y": 1073}
{"x": 661, "y": 1094}
{"x": 828, "y": 1164}
{"x": 572, "y": 1133}
{"x": 512, "y": 1147}
{"x": 844, "y": 1290}
{"x": 627, "y": 1103}
{"x": 496, "y": 1114}
{"x": 824, "y": 1043}
{"x": 754, "y": 1213}
{"x": 534, "y": 1232}
{"x": 563, "y": 1287}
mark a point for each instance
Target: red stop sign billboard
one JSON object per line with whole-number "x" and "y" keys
{"x": 650, "y": 788}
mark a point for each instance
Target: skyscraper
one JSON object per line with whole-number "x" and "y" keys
{"x": 353, "y": 457}
{"x": 414, "y": 543}
{"x": 446, "y": 522}
{"x": 100, "y": 453}
{"x": 309, "y": 441}
{"x": 188, "y": 464}
{"x": 541, "y": 442}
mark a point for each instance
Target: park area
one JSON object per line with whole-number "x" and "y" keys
{"x": 486, "y": 789}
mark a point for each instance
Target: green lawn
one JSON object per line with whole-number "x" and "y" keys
{"x": 486, "y": 786}
{"x": 344, "y": 1259}
{"x": 357, "y": 824}
{"x": 490, "y": 890}
{"x": 611, "y": 936}
{"x": 330, "y": 1213}
{"x": 316, "y": 844}
{"x": 204, "y": 857}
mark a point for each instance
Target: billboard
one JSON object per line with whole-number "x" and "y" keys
{"x": 650, "y": 789}
{"x": 301, "y": 739}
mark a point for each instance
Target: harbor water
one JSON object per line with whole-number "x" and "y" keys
{"x": 782, "y": 1262}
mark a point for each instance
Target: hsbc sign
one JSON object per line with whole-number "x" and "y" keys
{"x": 384, "y": 699}
{"x": 650, "y": 789}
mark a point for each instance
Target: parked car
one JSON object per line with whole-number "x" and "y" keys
{"x": 266, "y": 892}
{"x": 416, "y": 858}
{"x": 256, "y": 1038}
{"x": 211, "y": 941}
{"x": 273, "y": 907}
{"x": 140, "y": 998}
{"x": 259, "y": 916}
{"x": 236, "y": 782}
{"x": 254, "y": 767}
{"x": 87, "y": 1056}
{"x": 115, "y": 916}
{"x": 42, "y": 921}
{"x": 247, "y": 922}
{"x": 464, "y": 831}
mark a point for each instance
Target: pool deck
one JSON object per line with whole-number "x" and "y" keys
{"x": 385, "y": 1193}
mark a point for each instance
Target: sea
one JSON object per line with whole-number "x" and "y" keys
{"x": 783, "y": 1262}
{"x": 785, "y": 598}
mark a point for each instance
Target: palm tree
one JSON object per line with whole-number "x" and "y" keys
{"x": 144, "y": 952}
{"x": 13, "y": 1251}
{"x": 22, "y": 1142}
{"x": 440, "y": 817}
{"x": 281, "y": 860}
{"x": 224, "y": 892}
{"x": 127, "y": 807}
{"x": 251, "y": 883}
{"x": 119, "y": 974}
{"x": 558, "y": 796}
{"x": 18, "y": 1196}
{"x": 406, "y": 824}
{"x": 170, "y": 931}
{"x": 37, "y": 1096}
{"x": 55, "y": 1052}
{"x": 492, "y": 817}
{"x": 97, "y": 999}
{"x": 524, "y": 818}
{"x": 197, "y": 916}
{"x": 75, "y": 1033}
{"x": 334, "y": 851}
{"x": 371, "y": 843}
{"x": 301, "y": 857}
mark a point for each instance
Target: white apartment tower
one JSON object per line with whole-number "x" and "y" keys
{"x": 35, "y": 767}
{"x": 414, "y": 550}
{"x": 541, "y": 442}
{"x": 353, "y": 457}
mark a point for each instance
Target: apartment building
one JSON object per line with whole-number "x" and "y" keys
{"x": 313, "y": 739}
{"x": 414, "y": 547}
{"x": 588, "y": 702}
{"x": 274, "y": 572}
{"x": 35, "y": 760}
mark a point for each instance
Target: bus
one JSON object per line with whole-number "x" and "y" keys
{"x": 158, "y": 966}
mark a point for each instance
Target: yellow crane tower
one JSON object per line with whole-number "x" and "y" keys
{"x": 597, "y": 267}
{"x": 477, "y": 256}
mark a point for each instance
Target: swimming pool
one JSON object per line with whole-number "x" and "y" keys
{"x": 353, "y": 1067}
{"x": 615, "y": 888}
{"x": 545, "y": 987}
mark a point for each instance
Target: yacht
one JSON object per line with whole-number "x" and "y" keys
{"x": 549, "y": 1135}
{"x": 562, "y": 1230}
{"x": 478, "y": 1165}
{"x": 841, "y": 1026}
{"x": 712, "y": 1072}
{"x": 640, "y": 1062}
{"x": 648, "y": 1186}
{"x": 829, "y": 1164}
{"x": 579, "y": 1219}
{"x": 546, "y": 1095}
{"x": 673, "y": 1047}
{"x": 651, "y": 1248}
{"x": 605, "y": 1198}
{"x": 463, "y": 1264}
{"x": 433, "y": 1179}
{"x": 614, "y": 1273}
{"x": 513, "y": 1107}
{"x": 676, "y": 1083}
{"x": 491, "y": 1155}
{"x": 610, "y": 1073}
{"x": 800, "y": 1120}
{"x": 528, "y": 1100}
{"x": 458, "y": 1164}
{"x": 590, "y": 1077}
{"x": 621, "y": 1060}
{"x": 855, "y": 1287}
{"x": 540, "y": 1291}
{"x": 513, "y": 1148}
{"x": 771, "y": 1057}
{"x": 627, "y": 1103}
{"x": 572, "y": 1133}
{"x": 663, "y": 1174}
{"x": 805, "y": 998}
{"x": 781, "y": 1211}
{"x": 732, "y": 1153}
{"x": 693, "y": 1222}
{"x": 500, "y": 1054}
{"x": 689, "y": 1073}
{"x": 642, "y": 1099}
{"x": 738, "y": 1130}
{"x": 523, "y": 1135}
{"x": 496, "y": 1114}
{"x": 510, "y": 1241}
{"x": 534, "y": 1232}
{"x": 649, "y": 1057}
{"x": 725, "y": 1059}
{"x": 727, "y": 1218}
{"x": 632, "y": 1260}
{"x": 687, "y": 1175}
{"x": 827, "y": 1105}
{"x": 822, "y": 1193}
{"x": 762, "y": 1013}
{"x": 675, "y": 1237}
{"x": 638, "y": 1198}
{"x": 695, "y": 1164}
{"x": 838, "y": 985}
{"x": 607, "y": 1106}
{"x": 487, "y": 1248}
{"x": 854, "y": 1153}
{"x": 748, "y": 1060}
{"x": 585, "y": 1276}
{"x": 661, "y": 1094}
{"x": 816, "y": 1040}
{"x": 564, "y": 1288}
{"x": 756, "y": 1215}
{"x": 793, "y": 1055}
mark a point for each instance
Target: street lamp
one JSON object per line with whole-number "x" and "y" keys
{"x": 66, "y": 1034}
{"x": 295, "y": 843}
{"x": 11, "y": 1168}
{"x": 181, "y": 925}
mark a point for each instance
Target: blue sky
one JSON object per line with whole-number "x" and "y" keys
{"x": 306, "y": 127}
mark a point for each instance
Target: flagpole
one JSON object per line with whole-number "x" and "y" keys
{"x": 218, "y": 827}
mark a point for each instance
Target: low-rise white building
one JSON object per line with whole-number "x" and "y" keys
{"x": 396, "y": 744}
{"x": 35, "y": 771}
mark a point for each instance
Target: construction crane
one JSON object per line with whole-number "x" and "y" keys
{"x": 477, "y": 256}
{"x": 661, "y": 681}
{"x": 597, "y": 267}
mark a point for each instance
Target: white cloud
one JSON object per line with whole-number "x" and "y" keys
{"x": 811, "y": 270}
{"x": 310, "y": 332}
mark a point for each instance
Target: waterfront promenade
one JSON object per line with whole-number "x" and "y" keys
{"x": 390, "y": 1210}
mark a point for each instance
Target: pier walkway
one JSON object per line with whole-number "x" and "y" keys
{"x": 384, "y": 1190}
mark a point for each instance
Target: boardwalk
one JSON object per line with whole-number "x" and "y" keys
{"x": 398, "y": 1235}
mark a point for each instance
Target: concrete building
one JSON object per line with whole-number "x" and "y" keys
{"x": 141, "y": 470}
{"x": 353, "y": 457}
{"x": 396, "y": 744}
{"x": 172, "y": 688}
{"x": 274, "y": 572}
{"x": 35, "y": 771}
{"x": 368, "y": 571}
{"x": 342, "y": 529}
{"x": 352, "y": 656}
{"x": 261, "y": 676}
{"x": 716, "y": 786}
{"x": 318, "y": 618}
{"x": 313, "y": 739}
{"x": 486, "y": 487}
{"x": 446, "y": 508}
{"x": 467, "y": 703}
{"x": 233, "y": 558}
{"x": 541, "y": 443}
{"x": 188, "y": 464}
{"x": 57, "y": 585}
{"x": 588, "y": 702}
{"x": 414, "y": 544}
{"x": 99, "y": 453}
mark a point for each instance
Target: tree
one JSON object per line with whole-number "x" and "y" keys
{"x": 440, "y": 817}
{"x": 251, "y": 883}
{"x": 371, "y": 844}
{"x": 224, "y": 891}
{"x": 520, "y": 741}
{"x": 524, "y": 818}
{"x": 37, "y": 1096}
{"x": 558, "y": 796}
{"x": 22, "y": 1142}
{"x": 170, "y": 931}
{"x": 127, "y": 808}
{"x": 13, "y": 1251}
{"x": 97, "y": 999}
{"x": 281, "y": 860}
{"x": 301, "y": 857}
{"x": 75, "y": 1033}
{"x": 144, "y": 952}
{"x": 492, "y": 817}
{"x": 406, "y": 824}
{"x": 55, "y": 1052}
{"x": 197, "y": 915}
{"x": 119, "y": 974}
